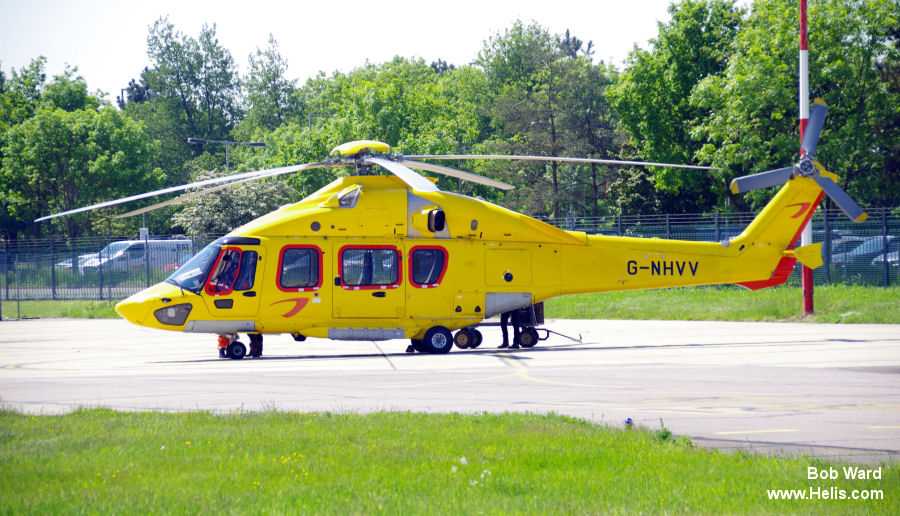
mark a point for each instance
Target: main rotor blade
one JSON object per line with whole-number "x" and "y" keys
{"x": 555, "y": 158}
{"x": 840, "y": 197}
{"x": 459, "y": 174}
{"x": 762, "y": 180}
{"x": 256, "y": 174}
{"x": 814, "y": 127}
{"x": 410, "y": 177}
{"x": 182, "y": 198}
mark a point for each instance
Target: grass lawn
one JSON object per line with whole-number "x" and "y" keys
{"x": 100, "y": 461}
{"x": 836, "y": 303}
{"x": 833, "y": 304}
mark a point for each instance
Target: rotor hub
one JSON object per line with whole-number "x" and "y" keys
{"x": 805, "y": 167}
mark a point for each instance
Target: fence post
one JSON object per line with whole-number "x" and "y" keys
{"x": 100, "y": 266}
{"x": 718, "y": 229}
{"x": 53, "y": 270}
{"x": 884, "y": 248}
{"x": 827, "y": 245}
{"x": 6, "y": 267}
{"x": 147, "y": 258}
{"x": 668, "y": 227}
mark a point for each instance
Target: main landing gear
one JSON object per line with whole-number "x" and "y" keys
{"x": 437, "y": 339}
{"x": 230, "y": 347}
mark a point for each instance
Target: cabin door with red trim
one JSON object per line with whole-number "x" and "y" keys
{"x": 233, "y": 287}
{"x": 368, "y": 282}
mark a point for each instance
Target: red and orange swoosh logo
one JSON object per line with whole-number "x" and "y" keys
{"x": 299, "y": 303}
{"x": 803, "y": 207}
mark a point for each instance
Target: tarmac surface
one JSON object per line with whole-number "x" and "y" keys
{"x": 824, "y": 390}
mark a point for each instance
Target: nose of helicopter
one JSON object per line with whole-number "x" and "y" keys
{"x": 137, "y": 309}
{"x": 134, "y": 309}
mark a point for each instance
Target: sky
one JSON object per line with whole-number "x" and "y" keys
{"x": 107, "y": 40}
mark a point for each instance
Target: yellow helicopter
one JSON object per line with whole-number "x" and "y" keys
{"x": 380, "y": 257}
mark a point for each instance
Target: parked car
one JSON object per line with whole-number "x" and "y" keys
{"x": 893, "y": 259}
{"x": 67, "y": 264}
{"x": 130, "y": 255}
{"x": 845, "y": 244}
{"x": 865, "y": 252}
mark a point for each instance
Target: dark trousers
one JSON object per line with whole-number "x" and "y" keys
{"x": 504, "y": 321}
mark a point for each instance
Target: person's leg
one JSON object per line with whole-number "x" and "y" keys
{"x": 504, "y": 320}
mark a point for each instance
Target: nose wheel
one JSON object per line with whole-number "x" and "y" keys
{"x": 230, "y": 347}
{"x": 236, "y": 350}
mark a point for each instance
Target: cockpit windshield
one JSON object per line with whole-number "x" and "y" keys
{"x": 192, "y": 274}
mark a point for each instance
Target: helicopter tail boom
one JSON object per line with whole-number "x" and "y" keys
{"x": 761, "y": 256}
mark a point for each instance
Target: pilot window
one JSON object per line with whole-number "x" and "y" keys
{"x": 370, "y": 267}
{"x": 299, "y": 268}
{"x": 235, "y": 270}
{"x": 246, "y": 271}
{"x": 427, "y": 266}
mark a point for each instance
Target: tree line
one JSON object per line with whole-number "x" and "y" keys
{"x": 716, "y": 86}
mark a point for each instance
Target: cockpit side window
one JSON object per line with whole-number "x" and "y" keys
{"x": 246, "y": 271}
{"x": 234, "y": 270}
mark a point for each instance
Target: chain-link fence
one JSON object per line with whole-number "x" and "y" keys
{"x": 91, "y": 267}
{"x": 115, "y": 267}
{"x": 854, "y": 253}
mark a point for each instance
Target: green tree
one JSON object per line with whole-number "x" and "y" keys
{"x": 191, "y": 89}
{"x": 271, "y": 96}
{"x": 536, "y": 106}
{"x": 652, "y": 95}
{"x": 72, "y": 152}
{"x": 227, "y": 209}
{"x": 754, "y": 122}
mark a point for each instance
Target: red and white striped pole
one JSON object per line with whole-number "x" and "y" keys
{"x": 806, "y": 276}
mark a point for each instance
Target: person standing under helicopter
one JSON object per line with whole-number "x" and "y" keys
{"x": 504, "y": 322}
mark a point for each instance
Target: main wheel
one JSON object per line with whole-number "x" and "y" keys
{"x": 464, "y": 339}
{"x": 236, "y": 350}
{"x": 477, "y": 339}
{"x": 528, "y": 338}
{"x": 438, "y": 340}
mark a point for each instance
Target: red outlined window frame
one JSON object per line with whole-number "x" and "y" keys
{"x": 440, "y": 277}
{"x": 281, "y": 264}
{"x": 206, "y": 287}
{"x": 340, "y": 265}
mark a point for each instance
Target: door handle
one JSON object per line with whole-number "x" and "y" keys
{"x": 379, "y": 294}
{"x": 249, "y": 293}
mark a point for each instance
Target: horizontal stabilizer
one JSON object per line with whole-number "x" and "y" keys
{"x": 808, "y": 255}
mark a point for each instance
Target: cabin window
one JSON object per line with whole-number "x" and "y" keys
{"x": 234, "y": 270}
{"x": 370, "y": 267}
{"x": 427, "y": 266}
{"x": 300, "y": 269}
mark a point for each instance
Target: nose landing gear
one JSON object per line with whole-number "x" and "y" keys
{"x": 230, "y": 347}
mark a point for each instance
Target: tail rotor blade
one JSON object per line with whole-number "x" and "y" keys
{"x": 840, "y": 197}
{"x": 814, "y": 127}
{"x": 762, "y": 180}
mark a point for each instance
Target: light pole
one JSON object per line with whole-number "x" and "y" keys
{"x": 226, "y": 143}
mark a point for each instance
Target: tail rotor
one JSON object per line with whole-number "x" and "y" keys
{"x": 806, "y": 167}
